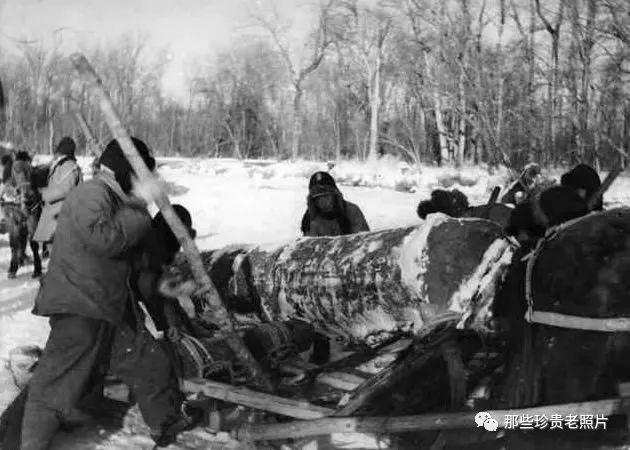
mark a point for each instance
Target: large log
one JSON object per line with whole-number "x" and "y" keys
{"x": 366, "y": 286}
{"x": 424, "y": 422}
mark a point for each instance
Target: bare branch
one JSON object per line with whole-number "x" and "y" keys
{"x": 284, "y": 50}
{"x": 546, "y": 22}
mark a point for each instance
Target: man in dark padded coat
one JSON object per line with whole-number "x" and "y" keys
{"x": 327, "y": 213}
{"x": 87, "y": 295}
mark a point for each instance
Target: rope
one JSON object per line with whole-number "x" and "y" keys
{"x": 199, "y": 364}
{"x": 281, "y": 343}
{"x": 202, "y": 359}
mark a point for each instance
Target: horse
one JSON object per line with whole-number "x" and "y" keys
{"x": 22, "y": 207}
{"x": 564, "y": 311}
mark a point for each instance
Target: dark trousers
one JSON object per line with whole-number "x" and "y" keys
{"x": 77, "y": 351}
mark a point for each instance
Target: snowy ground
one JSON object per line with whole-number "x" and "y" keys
{"x": 255, "y": 202}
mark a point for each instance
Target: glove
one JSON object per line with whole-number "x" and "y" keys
{"x": 148, "y": 190}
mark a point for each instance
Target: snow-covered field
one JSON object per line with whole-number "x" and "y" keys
{"x": 257, "y": 202}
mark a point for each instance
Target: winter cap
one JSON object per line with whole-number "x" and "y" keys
{"x": 159, "y": 224}
{"x": 22, "y": 156}
{"x": 114, "y": 159}
{"x": 66, "y": 147}
{"x": 582, "y": 176}
{"x": 321, "y": 183}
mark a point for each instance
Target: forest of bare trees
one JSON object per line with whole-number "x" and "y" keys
{"x": 453, "y": 82}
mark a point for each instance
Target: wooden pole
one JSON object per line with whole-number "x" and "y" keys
{"x": 257, "y": 400}
{"x": 92, "y": 144}
{"x": 608, "y": 181}
{"x": 494, "y": 196}
{"x": 423, "y": 422}
{"x": 214, "y": 309}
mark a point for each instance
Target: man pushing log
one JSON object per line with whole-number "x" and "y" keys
{"x": 94, "y": 319}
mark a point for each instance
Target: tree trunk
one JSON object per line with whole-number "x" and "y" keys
{"x": 3, "y": 114}
{"x": 531, "y": 62}
{"x": 51, "y": 135}
{"x": 368, "y": 285}
{"x": 297, "y": 121}
{"x": 171, "y": 134}
{"x": 553, "y": 100}
{"x": 439, "y": 120}
{"x": 499, "y": 125}
{"x": 375, "y": 106}
{"x": 554, "y": 33}
{"x": 626, "y": 132}
{"x": 461, "y": 146}
{"x": 587, "y": 48}
{"x": 423, "y": 146}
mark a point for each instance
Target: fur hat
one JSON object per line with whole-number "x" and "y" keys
{"x": 23, "y": 156}
{"x": 114, "y": 159}
{"x": 452, "y": 203}
{"x": 159, "y": 225}
{"x": 321, "y": 183}
{"x": 583, "y": 177}
{"x": 66, "y": 147}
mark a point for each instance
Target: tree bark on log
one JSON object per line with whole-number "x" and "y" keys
{"x": 364, "y": 287}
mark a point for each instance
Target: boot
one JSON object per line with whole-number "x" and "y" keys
{"x": 38, "y": 428}
{"x": 188, "y": 419}
{"x": 13, "y": 267}
{"x": 74, "y": 419}
{"x": 37, "y": 261}
{"x": 11, "y": 422}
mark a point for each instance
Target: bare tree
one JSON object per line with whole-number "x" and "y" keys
{"x": 300, "y": 68}
{"x": 552, "y": 95}
{"x": 583, "y": 41}
{"x": 419, "y": 23}
{"x": 368, "y": 40}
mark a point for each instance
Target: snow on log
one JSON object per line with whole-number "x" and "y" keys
{"x": 368, "y": 285}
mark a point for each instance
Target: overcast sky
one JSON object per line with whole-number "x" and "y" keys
{"x": 189, "y": 28}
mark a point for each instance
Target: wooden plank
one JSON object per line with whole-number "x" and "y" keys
{"x": 257, "y": 400}
{"x": 338, "y": 380}
{"x": 423, "y": 422}
{"x": 394, "y": 373}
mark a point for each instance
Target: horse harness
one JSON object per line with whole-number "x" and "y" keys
{"x": 610, "y": 325}
{"x": 23, "y": 202}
